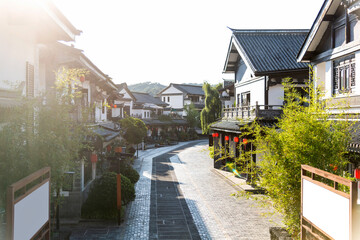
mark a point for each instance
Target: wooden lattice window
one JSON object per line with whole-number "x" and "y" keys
{"x": 30, "y": 88}
{"x": 344, "y": 75}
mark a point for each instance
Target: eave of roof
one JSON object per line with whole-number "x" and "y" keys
{"x": 317, "y": 24}
{"x": 182, "y": 88}
{"x": 280, "y": 44}
{"x": 58, "y": 17}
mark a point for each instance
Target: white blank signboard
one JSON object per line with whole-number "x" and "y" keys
{"x": 327, "y": 210}
{"x": 31, "y": 213}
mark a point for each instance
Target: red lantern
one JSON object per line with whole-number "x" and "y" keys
{"x": 357, "y": 173}
{"x": 115, "y": 106}
{"x": 226, "y": 138}
{"x": 216, "y": 134}
{"x": 236, "y": 139}
{"x": 82, "y": 78}
{"x": 94, "y": 158}
{"x": 213, "y": 135}
{"x": 108, "y": 148}
{"x": 245, "y": 141}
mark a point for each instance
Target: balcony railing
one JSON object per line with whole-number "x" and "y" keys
{"x": 252, "y": 112}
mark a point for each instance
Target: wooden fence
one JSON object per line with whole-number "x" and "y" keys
{"x": 28, "y": 207}
{"x": 329, "y": 207}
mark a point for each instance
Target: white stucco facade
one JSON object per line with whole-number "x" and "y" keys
{"x": 174, "y": 97}
{"x": 255, "y": 87}
{"x": 18, "y": 46}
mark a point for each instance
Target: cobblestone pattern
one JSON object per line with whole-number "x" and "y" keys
{"x": 170, "y": 217}
{"x": 96, "y": 231}
{"x": 137, "y": 217}
{"x": 217, "y": 214}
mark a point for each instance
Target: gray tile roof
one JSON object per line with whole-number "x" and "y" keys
{"x": 271, "y": 50}
{"x": 190, "y": 89}
{"x": 227, "y": 126}
{"x": 147, "y": 98}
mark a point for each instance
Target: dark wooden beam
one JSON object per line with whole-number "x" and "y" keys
{"x": 328, "y": 18}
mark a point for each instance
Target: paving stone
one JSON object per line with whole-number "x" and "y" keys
{"x": 178, "y": 196}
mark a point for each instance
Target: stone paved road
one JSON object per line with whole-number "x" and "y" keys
{"x": 217, "y": 214}
{"x": 179, "y": 187}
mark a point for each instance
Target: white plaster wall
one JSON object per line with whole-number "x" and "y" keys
{"x": 357, "y": 75}
{"x": 136, "y": 112}
{"x": 97, "y": 111}
{"x": 176, "y": 101}
{"x": 18, "y": 45}
{"x": 256, "y": 88}
{"x": 328, "y": 79}
{"x": 276, "y": 95}
{"x": 318, "y": 204}
{"x": 126, "y": 94}
{"x": 319, "y": 76}
{"x": 115, "y": 112}
{"x": 31, "y": 213}
{"x": 171, "y": 90}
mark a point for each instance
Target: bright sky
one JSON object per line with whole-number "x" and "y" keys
{"x": 178, "y": 41}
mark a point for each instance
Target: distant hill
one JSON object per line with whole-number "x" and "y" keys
{"x": 147, "y": 87}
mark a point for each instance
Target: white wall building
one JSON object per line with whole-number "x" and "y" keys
{"x": 259, "y": 60}
{"x": 333, "y": 48}
{"x": 180, "y": 95}
{"x": 135, "y": 104}
{"x": 26, "y": 27}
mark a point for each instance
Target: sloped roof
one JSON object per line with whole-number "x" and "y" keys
{"x": 147, "y": 98}
{"x": 268, "y": 51}
{"x": 190, "y": 89}
{"x": 122, "y": 86}
{"x": 320, "y": 25}
{"x": 186, "y": 88}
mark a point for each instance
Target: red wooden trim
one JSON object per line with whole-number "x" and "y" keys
{"x": 118, "y": 187}
{"x": 31, "y": 190}
{"x": 343, "y": 194}
{"x": 25, "y": 181}
{"x": 11, "y": 201}
{"x": 327, "y": 175}
{"x": 45, "y": 229}
{"x": 10, "y": 214}
{"x": 314, "y": 226}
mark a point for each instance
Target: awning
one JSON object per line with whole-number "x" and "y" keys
{"x": 234, "y": 126}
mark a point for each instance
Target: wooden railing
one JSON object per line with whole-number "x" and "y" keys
{"x": 329, "y": 208}
{"x": 252, "y": 112}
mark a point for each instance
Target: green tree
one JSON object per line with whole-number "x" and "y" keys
{"x": 305, "y": 134}
{"x": 212, "y": 110}
{"x": 134, "y": 130}
{"x": 42, "y": 132}
{"x": 192, "y": 116}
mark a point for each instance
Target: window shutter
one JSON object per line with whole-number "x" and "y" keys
{"x": 336, "y": 78}
{"x": 30, "y": 88}
{"x": 352, "y": 75}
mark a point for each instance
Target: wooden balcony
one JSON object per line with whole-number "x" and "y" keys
{"x": 268, "y": 112}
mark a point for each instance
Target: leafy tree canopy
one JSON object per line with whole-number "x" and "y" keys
{"x": 134, "y": 130}
{"x": 192, "y": 116}
{"x": 212, "y": 110}
{"x": 305, "y": 134}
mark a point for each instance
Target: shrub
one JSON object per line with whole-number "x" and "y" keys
{"x": 128, "y": 171}
{"x": 101, "y": 203}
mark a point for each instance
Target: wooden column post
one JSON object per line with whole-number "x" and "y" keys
{"x": 118, "y": 191}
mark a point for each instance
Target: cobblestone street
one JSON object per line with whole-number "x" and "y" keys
{"x": 179, "y": 196}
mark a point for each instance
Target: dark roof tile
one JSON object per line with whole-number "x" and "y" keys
{"x": 271, "y": 50}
